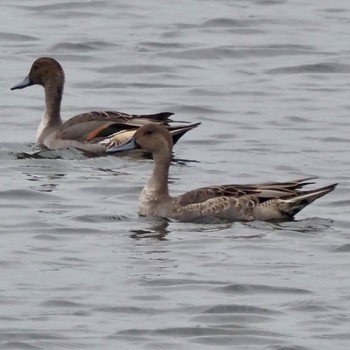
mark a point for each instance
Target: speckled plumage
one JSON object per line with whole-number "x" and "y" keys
{"x": 266, "y": 201}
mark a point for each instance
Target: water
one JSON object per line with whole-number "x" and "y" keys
{"x": 269, "y": 80}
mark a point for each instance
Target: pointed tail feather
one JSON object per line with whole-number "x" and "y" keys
{"x": 177, "y": 132}
{"x": 311, "y": 195}
{"x": 161, "y": 117}
{"x": 293, "y": 205}
{"x": 125, "y": 135}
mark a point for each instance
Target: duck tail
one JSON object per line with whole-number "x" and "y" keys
{"x": 177, "y": 132}
{"x": 294, "y": 204}
{"x": 312, "y": 195}
{"x": 157, "y": 117}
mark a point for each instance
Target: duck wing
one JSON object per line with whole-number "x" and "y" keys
{"x": 262, "y": 192}
{"x": 267, "y": 201}
{"x": 94, "y": 126}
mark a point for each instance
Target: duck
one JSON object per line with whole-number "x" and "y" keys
{"x": 93, "y": 131}
{"x": 272, "y": 201}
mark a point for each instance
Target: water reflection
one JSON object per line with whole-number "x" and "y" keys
{"x": 312, "y": 225}
{"x": 158, "y": 230}
{"x": 41, "y": 152}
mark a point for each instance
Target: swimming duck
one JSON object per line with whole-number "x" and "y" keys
{"x": 93, "y": 131}
{"x": 267, "y": 201}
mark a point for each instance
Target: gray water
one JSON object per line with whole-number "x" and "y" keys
{"x": 269, "y": 80}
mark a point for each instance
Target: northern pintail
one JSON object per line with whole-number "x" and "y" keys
{"x": 93, "y": 131}
{"x": 266, "y": 201}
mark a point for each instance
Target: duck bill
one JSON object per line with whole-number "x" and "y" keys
{"x": 127, "y": 146}
{"x": 23, "y": 84}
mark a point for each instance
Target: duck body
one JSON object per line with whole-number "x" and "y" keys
{"x": 265, "y": 201}
{"x": 92, "y": 131}
{"x": 275, "y": 201}
{"x": 96, "y": 131}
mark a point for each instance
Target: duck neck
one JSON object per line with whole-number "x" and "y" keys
{"x": 53, "y": 98}
{"x": 158, "y": 183}
{"x": 51, "y": 120}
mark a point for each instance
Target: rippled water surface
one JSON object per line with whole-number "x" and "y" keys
{"x": 269, "y": 80}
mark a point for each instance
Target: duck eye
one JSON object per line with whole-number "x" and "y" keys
{"x": 36, "y": 66}
{"x": 149, "y": 132}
